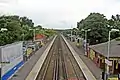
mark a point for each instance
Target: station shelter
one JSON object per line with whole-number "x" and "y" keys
{"x": 98, "y": 54}
{"x": 40, "y": 38}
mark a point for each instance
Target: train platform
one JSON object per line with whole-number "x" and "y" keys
{"x": 86, "y": 71}
{"x": 23, "y": 72}
{"x": 30, "y": 69}
{"x": 35, "y": 70}
{"x": 96, "y": 71}
{"x": 70, "y": 72}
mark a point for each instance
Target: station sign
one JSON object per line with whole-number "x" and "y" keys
{"x": 108, "y": 62}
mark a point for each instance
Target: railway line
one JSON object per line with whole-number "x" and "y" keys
{"x": 60, "y": 64}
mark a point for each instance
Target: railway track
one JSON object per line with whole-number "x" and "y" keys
{"x": 60, "y": 64}
{"x": 73, "y": 70}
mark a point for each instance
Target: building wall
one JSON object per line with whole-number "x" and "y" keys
{"x": 11, "y": 59}
{"x": 99, "y": 60}
{"x": 115, "y": 65}
{"x": 92, "y": 54}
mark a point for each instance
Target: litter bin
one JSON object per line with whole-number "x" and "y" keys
{"x": 103, "y": 75}
{"x": 119, "y": 76}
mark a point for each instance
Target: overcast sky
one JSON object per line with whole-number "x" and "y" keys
{"x": 59, "y": 14}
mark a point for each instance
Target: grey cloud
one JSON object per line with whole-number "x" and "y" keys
{"x": 59, "y": 13}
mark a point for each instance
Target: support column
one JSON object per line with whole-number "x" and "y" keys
{"x": 113, "y": 67}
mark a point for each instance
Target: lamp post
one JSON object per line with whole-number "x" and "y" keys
{"x": 34, "y": 34}
{"x": 23, "y": 36}
{"x": 34, "y": 31}
{"x": 76, "y": 33}
{"x": 86, "y": 39}
{"x": 112, "y": 30}
{"x": 71, "y": 34}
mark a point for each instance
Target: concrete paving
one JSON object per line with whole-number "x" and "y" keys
{"x": 22, "y": 73}
{"x": 97, "y": 72}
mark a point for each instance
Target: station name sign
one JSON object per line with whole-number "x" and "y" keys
{"x": 4, "y": 62}
{"x": 108, "y": 62}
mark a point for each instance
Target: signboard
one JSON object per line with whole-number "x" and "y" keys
{"x": 92, "y": 54}
{"x": 108, "y": 62}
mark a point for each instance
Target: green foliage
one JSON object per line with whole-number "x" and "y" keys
{"x": 15, "y": 28}
{"x": 18, "y": 29}
{"x": 99, "y": 27}
{"x": 49, "y": 32}
{"x": 97, "y": 23}
{"x": 26, "y": 21}
{"x": 39, "y": 27}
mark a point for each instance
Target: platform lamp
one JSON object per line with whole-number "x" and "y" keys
{"x": 34, "y": 32}
{"x": 112, "y": 30}
{"x": 86, "y": 31}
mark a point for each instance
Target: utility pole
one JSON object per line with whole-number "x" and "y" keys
{"x": 71, "y": 33}
{"x": 107, "y": 60}
{"x": 34, "y": 34}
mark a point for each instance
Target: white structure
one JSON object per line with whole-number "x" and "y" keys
{"x": 11, "y": 58}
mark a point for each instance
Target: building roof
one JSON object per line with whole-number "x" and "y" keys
{"x": 103, "y": 48}
{"x": 39, "y": 36}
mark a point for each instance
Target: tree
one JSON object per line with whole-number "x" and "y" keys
{"x": 98, "y": 24}
{"x": 16, "y": 27}
{"x": 39, "y": 26}
{"x": 114, "y": 22}
{"x": 26, "y": 21}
